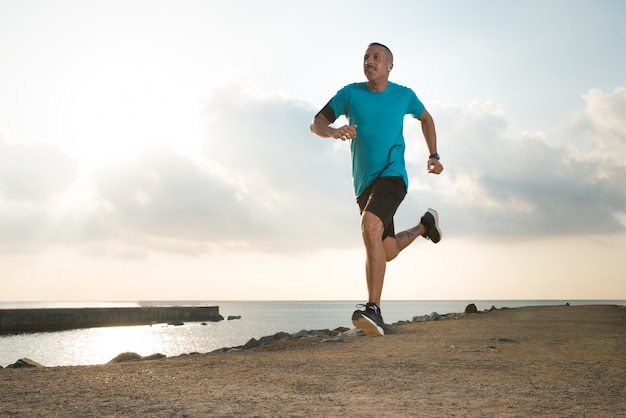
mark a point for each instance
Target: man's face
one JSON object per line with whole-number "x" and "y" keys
{"x": 376, "y": 62}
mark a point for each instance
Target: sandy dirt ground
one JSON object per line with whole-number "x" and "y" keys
{"x": 561, "y": 361}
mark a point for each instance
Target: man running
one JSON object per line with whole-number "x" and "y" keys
{"x": 375, "y": 111}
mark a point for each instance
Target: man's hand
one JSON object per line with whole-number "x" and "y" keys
{"x": 321, "y": 127}
{"x": 434, "y": 166}
{"x": 345, "y": 133}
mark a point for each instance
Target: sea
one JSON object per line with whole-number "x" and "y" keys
{"x": 93, "y": 346}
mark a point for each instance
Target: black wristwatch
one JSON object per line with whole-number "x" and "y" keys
{"x": 435, "y": 156}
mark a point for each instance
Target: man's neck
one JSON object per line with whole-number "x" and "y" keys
{"x": 377, "y": 86}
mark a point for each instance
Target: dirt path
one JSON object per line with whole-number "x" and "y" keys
{"x": 537, "y": 361}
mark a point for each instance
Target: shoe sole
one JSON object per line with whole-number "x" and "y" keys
{"x": 435, "y": 215}
{"x": 368, "y": 326}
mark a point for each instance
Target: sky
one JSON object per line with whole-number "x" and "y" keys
{"x": 160, "y": 150}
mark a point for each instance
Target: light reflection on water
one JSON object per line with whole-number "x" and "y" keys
{"x": 100, "y": 345}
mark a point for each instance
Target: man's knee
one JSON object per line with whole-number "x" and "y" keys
{"x": 371, "y": 226}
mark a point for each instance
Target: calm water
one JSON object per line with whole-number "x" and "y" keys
{"x": 258, "y": 319}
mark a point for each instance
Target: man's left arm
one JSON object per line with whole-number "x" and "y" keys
{"x": 430, "y": 135}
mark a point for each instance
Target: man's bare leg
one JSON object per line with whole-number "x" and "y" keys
{"x": 393, "y": 246}
{"x": 378, "y": 252}
{"x": 376, "y": 260}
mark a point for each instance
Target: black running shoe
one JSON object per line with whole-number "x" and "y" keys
{"x": 430, "y": 220}
{"x": 369, "y": 320}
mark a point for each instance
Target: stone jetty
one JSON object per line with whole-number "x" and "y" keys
{"x": 13, "y": 321}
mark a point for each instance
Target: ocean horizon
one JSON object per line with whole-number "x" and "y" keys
{"x": 92, "y": 346}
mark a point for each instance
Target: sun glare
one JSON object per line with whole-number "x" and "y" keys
{"x": 122, "y": 98}
{"x": 121, "y": 108}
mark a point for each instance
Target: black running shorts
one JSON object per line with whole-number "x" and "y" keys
{"x": 382, "y": 198}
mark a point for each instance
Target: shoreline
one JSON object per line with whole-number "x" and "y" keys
{"x": 253, "y": 343}
{"x": 324, "y": 335}
{"x": 534, "y": 361}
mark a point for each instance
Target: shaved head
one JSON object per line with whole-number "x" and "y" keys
{"x": 385, "y": 47}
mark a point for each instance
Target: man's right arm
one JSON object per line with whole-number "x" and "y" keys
{"x": 321, "y": 127}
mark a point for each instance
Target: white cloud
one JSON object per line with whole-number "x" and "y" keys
{"x": 34, "y": 172}
{"x": 35, "y": 177}
{"x": 280, "y": 188}
{"x": 263, "y": 182}
{"x": 603, "y": 126}
{"x": 501, "y": 186}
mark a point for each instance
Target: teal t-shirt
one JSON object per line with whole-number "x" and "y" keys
{"x": 378, "y": 148}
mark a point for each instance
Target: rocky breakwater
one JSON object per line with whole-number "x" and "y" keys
{"x": 13, "y": 321}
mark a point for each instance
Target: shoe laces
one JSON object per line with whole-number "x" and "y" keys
{"x": 369, "y": 306}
